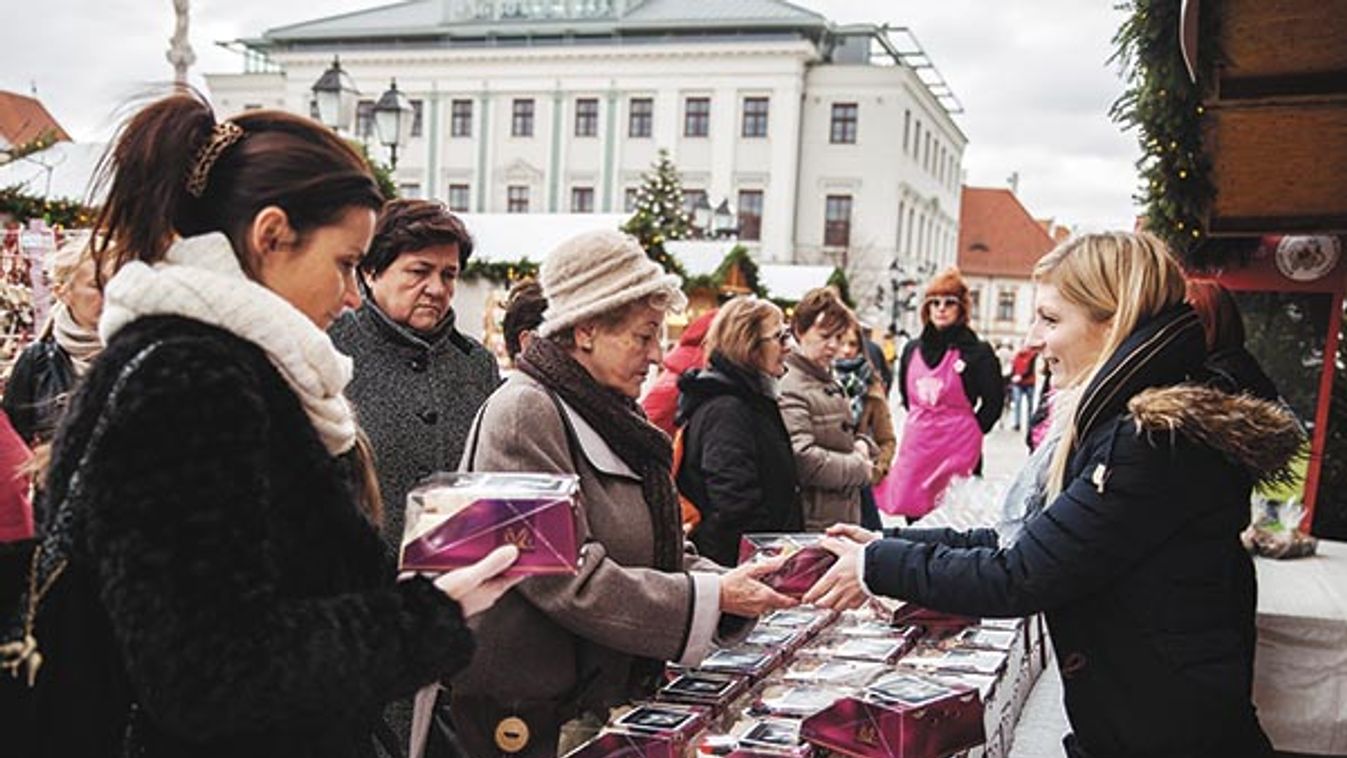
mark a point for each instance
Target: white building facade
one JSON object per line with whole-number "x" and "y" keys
{"x": 827, "y": 144}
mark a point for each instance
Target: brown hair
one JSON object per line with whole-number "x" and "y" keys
{"x": 523, "y": 312}
{"x": 822, "y": 307}
{"x": 948, "y": 282}
{"x": 409, "y": 225}
{"x": 281, "y": 160}
{"x": 736, "y": 331}
{"x": 1221, "y": 322}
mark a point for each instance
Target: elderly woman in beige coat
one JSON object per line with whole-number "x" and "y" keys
{"x": 567, "y": 649}
{"x": 833, "y": 461}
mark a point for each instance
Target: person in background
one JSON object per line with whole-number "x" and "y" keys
{"x": 47, "y": 370}
{"x": 524, "y": 309}
{"x": 558, "y": 652}
{"x": 1136, "y": 559}
{"x": 418, "y": 380}
{"x": 1023, "y": 377}
{"x": 661, "y": 400}
{"x": 1231, "y": 366}
{"x": 738, "y": 467}
{"x": 952, "y": 388}
{"x": 223, "y": 587}
{"x": 833, "y": 462}
{"x": 16, "y": 512}
{"x": 869, "y": 412}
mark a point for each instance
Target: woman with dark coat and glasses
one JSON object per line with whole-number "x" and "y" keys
{"x": 951, "y": 387}
{"x": 738, "y": 466}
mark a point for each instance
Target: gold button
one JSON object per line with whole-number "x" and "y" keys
{"x": 512, "y": 734}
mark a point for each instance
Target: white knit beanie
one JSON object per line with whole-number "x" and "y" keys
{"x": 597, "y": 272}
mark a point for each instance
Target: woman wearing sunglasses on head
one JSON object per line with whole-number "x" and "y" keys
{"x": 951, "y": 387}
{"x": 738, "y": 467}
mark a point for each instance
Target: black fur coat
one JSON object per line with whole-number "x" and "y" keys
{"x": 225, "y": 596}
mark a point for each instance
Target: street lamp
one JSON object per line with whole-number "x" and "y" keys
{"x": 725, "y": 224}
{"x": 335, "y": 94}
{"x": 393, "y": 120}
{"x": 701, "y": 215}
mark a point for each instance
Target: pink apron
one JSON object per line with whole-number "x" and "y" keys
{"x": 941, "y": 440}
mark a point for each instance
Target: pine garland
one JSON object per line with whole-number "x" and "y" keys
{"x": 1165, "y": 107}
{"x": 22, "y": 207}
{"x": 501, "y": 272}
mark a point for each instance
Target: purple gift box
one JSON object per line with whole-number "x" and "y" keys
{"x": 800, "y": 571}
{"x": 716, "y": 691}
{"x": 454, "y": 520}
{"x": 901, "y": 717}
{"x": 772, "y": 544}
{"x": 623, "y": 745}
{"x": 910, "y": 614}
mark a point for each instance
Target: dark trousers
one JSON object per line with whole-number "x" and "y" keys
{"x": 869, "y": 511}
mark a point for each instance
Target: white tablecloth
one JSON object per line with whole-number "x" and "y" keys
{"x": 1300, "y": 672}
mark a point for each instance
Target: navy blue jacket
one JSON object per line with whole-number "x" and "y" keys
{"x": 1149, "y": 596}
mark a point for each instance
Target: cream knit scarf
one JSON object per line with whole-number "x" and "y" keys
{"x": 201, "y": 279}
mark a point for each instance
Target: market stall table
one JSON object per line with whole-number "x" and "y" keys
{"x": 1300, "y": 671}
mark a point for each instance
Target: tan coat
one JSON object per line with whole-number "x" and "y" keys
{"x": 877, "y": 424}
{"x": 818, "y": 417}
{"x": 550, "y": 634}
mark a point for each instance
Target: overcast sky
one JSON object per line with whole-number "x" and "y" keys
{"x": 1032, "y": 75}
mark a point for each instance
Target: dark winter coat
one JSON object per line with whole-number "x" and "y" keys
{"x": 415, "y": 395}
{"x": 222, "y": 577}
{"x": 738, "y": 465}
{"x": 36, "y": 393}
{"x": 981, "y": 376}
{"x": 1149, "y": 595}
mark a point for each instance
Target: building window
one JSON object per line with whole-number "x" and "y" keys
{"x": 692, "y": 198}
{"x": 460, "y": 118}
{"x": 418, "y": 112}
{"x": 409, "y": 191}
{"x": 587, "y": 117}
{"x": 1005, "y": 305}
{"x": 582, "y": 200}
{"x": 837, "y": 221}
{"x": 697, "y": 117}
{"x": 313, "y": 110}
{"x": 641, "y": 118}
{"x": 907, "y": 128}
{"x": 844, "y": 124}
{"x": 521, "y": 121}
{"x": 916, "y": 141}
{"x": 926, "y": 154}
{"x": 755, "y": 117}
{"x": 458, "y": 198}
{"x": 750, "y": 215}
{"x": 629, "y": 199}
{"x": 364, "y": 119}
{"x": 517, "y": 198}
{"x": 975, "y": 303}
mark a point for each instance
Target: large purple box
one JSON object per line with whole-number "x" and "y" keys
{"x": 800, "y": 571}
{"x": 901, "y": 716}
{"x": 454, "y": 520}
{"x": 772, "y": 544}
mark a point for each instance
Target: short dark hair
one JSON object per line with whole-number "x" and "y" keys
{"x": 409, "y": 225}
{"x": 822, "y": 306}
{"x": 523, "y": 312}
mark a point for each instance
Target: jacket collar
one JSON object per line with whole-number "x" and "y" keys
{"x": 374, "y": 317}
{"x": 795, "y": 361}
{"x": 1165, "y": 350}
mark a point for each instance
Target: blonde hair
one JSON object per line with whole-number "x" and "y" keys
{"x": 736, "y": 331}
{"x": 1119, "y": 278}
{"x": 67, "y": 259}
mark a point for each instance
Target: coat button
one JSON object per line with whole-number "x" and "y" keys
{"x": 429, "y": 417}
{"x": 417, "y": 364}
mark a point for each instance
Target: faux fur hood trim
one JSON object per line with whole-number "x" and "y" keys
{"x": 1262, "y": 437}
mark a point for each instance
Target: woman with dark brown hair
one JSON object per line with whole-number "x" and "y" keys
{"x": 211, "y": 582}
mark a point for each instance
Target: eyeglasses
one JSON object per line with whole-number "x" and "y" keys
{"x": 782, "y": 335}
{"x": 947, "y": 301}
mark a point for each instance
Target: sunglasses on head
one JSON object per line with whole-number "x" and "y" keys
{"x": 943, "y": 301}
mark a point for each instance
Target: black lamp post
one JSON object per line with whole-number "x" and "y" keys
{"x": 335, "y": 95}
{"x": 393, "y": 120}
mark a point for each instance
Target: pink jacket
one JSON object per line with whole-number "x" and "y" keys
{"x": 661, "y": 402}
{"x": 16, "y": 513}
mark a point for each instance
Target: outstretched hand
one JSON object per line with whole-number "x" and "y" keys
{"x": 840, "y": 588}
{"x": 742, "y": 592}
{"x": 479, "y": 586}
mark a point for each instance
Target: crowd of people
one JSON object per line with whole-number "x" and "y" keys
{"x": 255, "y": 358}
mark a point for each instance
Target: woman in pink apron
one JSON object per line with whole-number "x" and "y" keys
{"x": 952, "y": 388}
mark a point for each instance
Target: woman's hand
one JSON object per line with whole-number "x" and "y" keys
{"x": 854, "y": 533}
{"x": 742, "y": 594}
{"x": 840, "y": 588}
{"x": 479, "y": 586}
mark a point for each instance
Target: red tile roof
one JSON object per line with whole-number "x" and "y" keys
{"x": 997, "y": 236}
{"x": 24, "y": 119}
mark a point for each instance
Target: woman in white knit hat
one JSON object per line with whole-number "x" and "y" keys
{"x": 560, "y": 649}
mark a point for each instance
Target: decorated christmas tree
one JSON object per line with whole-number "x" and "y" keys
{"x": 659, "y": 215}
